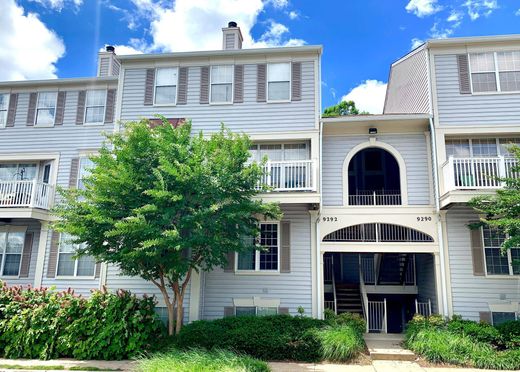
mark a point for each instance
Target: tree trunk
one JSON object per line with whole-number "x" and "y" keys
{"x": 180, "y": 313}
{"x": 170, "y": 305}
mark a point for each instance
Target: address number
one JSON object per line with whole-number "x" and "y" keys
{"x": 330, "y": 219}
{"x": 424, "y": 219}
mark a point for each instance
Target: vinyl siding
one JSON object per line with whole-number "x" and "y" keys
{"x": 408, "y": 90}
{"x": 425, "y": 271}
{"x": 293, "y": 289}
{"x": 412, "y": 148}
{"x": 466, "y": 109}
{"x": 249, "y": 116}
{"x": 104, "y": 66}
{"x": 471, "y": 294}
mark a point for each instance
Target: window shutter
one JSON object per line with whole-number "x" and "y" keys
{"x": 463, "y": 65}
{"x": 285, "y": 253}
{"x": 229, "y": 311}
{"x": 283, "y": 310}
{"x": 11, "y": 112}
{"x": 204, "y": 84}
{"x": 31, "y": 112}
{"x": 26, "y": 255}
{"x": 98, "y": 270}
{"x": 238, "y": 92}
{"x": 53, "y": 255}
{"x": 296, "y": 81}
{"x": 148, "y": 88}
{"x": 110, "y": 106}
{"x": 261, "y": 76}
{"x": 230, "y": 266}
{"x": 60, "y": 108}
{"x": 182, "y": 96}
{"x": 74, "y": 169}
{"x": 485, "y": 316}
{"x": 477, "y": 252}
{"x": 80, "y": 113}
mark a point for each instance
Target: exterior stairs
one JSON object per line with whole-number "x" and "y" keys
{"x": 348, "y": 299}
{"x": 393, "y": 268}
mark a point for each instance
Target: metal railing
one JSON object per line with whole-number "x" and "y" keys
{"x": 291, "y": 175}
{"x": 423, "y": 308}
{"x": 375, "y": 197}
{"x": 409, "y": 275}
{"x": 368, "y": 269}
{"x": 327, "y": 269}
{"x": 363, "y": 292}
{"x": 28, "y": 194}
{"x": 478, "y": 173}
{"x": 377, "y": 316}
{"x": 330, "y": 305}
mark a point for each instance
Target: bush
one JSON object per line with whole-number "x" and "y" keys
{"x": 45, "y": 324}
{"x": 354, "y": 320}
{"x": 510, "y": 333}
{"x": 482, "y": 332}
{"x": 201, "y": 360}
{"x": 340, "y": 343}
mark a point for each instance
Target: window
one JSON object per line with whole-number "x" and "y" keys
{"x": 255, "y": 310}
{"x": 502, "y": 317}
{"x": 18, "y": 172}
{"x": 278, "y": 81}
{"x": 4, "y": 104}
{"x": 495, "y": 71}
{"x": 84, "y": 165}
{"x": 267, "y": 258}
{"x": 95, "y": 106}
{"x": 67, "y": 265}
{"x": 279, "y": 152}
{"x": 11, "y": 247}
{"x": 222, "y": 84}
{"x": 166, "y": 86}
{"x": 498, "y": 262}
{"x": 506, "y": 143}
{"x": 485, "y": 147}
{"x": 46, "y": 108}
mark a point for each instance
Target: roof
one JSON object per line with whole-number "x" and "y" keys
{"x": 72, "y": 81}
{"x": 472, "y": 40}
{"x": 375, "y": 118}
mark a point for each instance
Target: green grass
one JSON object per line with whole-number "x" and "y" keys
{"x": 198, "y": 360}
{"x": 340, "y": 343}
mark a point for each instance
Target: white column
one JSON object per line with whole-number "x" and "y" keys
{"x": 314, "y": 243}
{"x": 194, "y": 310}
{"x": 42, "y": 247}
{"x": 439, "y": 284}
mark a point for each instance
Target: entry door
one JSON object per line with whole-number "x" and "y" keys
{"x": 45, "y": 178}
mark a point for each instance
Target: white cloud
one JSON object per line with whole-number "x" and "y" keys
{"x": 274, "y": 36}
{"x": 423, "y": 8}
{"x": 518, "y": 12}
{"x": 478, "y": 8}
{"x": 280, "y": 3}
{"x": 124, "y": 50}
{"x": 455, "y": 16}
{"x": 416, "y": 42}
{"x": 58, "y": 5}
{"x": 293, "y": 14}
{"x": 438, "y": 32}
{"x": 368, "y": 96}
{"x": 29, "y": 49}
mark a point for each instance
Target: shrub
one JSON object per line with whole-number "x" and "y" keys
{"x": 354, "y": 320}
{"x": 482, "y": 332}
{"x": 41, "y": 323}
{"x": 201, "y": 360}
{"x": 510, "y": 333}
{"x": 340, "y": 343}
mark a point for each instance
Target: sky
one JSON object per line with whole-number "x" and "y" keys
{"x": 42, "y": 39}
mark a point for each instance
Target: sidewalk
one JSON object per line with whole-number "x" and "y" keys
{"x": 112, "y": 365}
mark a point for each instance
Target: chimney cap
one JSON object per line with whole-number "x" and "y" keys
{"x": 232, "y": 24}
{"x": 110, "y": 48}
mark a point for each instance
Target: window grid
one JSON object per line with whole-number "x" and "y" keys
{"x": 496, "y": 262}
{"x": 4, "y": 105}
{"x": 11, "y": 248}
{"x": 165, "y": 91}
{"x": 479, "y": 147}
{"x": 499, "y": 317}
{"x": 46, "y": 108}
{"x": 278, "y": 82}
{"x": 84, "y": 165}
{"x": 280, "y": 152}
{"x": 221, "y": 84}
{"x": 95, "y": 106}
{"x": 266, "y": 259}
{"x": 67, "y": 266}
{"x": 495, "y": 71}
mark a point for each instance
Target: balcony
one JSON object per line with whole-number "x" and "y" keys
{"x": 26, "y": 194}
{"x": 374, "y": 197}
{"x": 297, "y": 175}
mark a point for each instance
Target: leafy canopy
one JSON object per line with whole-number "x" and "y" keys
{"x": 343, "y": 108}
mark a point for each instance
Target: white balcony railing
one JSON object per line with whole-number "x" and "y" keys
{"x": 27, "y": 194}
{"x": 478, "y": 173}
{"x": 291, "y": 175}
{"x": 375, "y": 197}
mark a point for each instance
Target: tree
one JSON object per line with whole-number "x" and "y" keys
{"x": 502, "y": 210}
{"x": 343, "y": 108}
{"x": 160, "y": 203}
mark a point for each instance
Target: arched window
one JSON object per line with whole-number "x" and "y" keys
{"x": 378, "y": 232}
{"x": 374, "y": 178}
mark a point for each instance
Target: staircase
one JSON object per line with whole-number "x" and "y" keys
{"x": 348, "y": 299}
{"x": 393, "y": 268}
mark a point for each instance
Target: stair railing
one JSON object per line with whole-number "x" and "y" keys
{"x": 423, "y": 308}
{"x": 334, "y": 288}
{"x": 364, "y": 297}
{"x": 377, "y": 266}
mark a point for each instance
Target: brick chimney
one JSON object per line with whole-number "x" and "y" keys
{"x": 231, "y": 37}
{"x": 108, "y": 64}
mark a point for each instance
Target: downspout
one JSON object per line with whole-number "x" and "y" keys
{"x": 439, "y": 223}
{"x": 318, "y": 241}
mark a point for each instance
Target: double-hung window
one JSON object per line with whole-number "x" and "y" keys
{"x": 498, "y": 262}
{"x": 166, "y": 86}
{"x": 11, "y": 247}
{"x": 255, "y": 310}
{"x": 85, "y": 164}
{"x": 68, "y": 265}
{"x": 46, "y": 108}
{"x": 222, "y": 84}
{"x": 95, "y": 106}
{"x": 278, "y": 82}
{"x": 495, "y": 71}
{"x": 4, "y": 103}
{"x": 267, "y": 257}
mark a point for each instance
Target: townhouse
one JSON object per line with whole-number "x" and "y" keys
{"x": 374, "y": 207}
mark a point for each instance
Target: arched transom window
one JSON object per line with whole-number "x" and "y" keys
{"x": 378, "y": 232}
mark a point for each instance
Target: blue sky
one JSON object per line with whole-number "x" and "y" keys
{"x": 49, "y": 38}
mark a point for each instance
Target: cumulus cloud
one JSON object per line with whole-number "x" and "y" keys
{"x": 423, "y": 8}
{"x": 369, "y": 96}
{"x": 479, "y": 8}
{"x": 416, "y": 42}
{"x": 518, "y": 12}
{"x": 293, "y": 14}
{"x": 29, "y": 49}
{"x": 455, "y": 16}
{"x": 58, "y": 5}
{"x": 124, "y": 50}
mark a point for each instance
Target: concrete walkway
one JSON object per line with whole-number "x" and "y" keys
{"x": 107, "y": 365}
{"x": 387, "y": 346}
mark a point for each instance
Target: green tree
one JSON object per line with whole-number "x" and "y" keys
{"x": 343, "y": 108}
{"x": 502, "y": 210}
{"x": 161, "y": 203}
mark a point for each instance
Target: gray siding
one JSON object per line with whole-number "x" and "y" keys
{"x": 466, "y": 109}
{"x": 471, "y": 294}
{"x": 249, "y": 116}
{"x": 408, "y": 90}
{"x": 293, "y": 289}
{"x": 426, "y": 284}
{"x": 104, "y": 66}
{"x": 412, "y": 148}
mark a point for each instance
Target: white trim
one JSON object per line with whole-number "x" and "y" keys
{"x": 257, "y": 270}
{"x": 75, "y": 275}
{"x": 85, "y": 122}
{"x": 194, "y": 308}
{"x": 176, "y": 86}
{"x": 385, "y": 146}
{"x": 37, "y": 108}
{"x": 511, "y": 274}
{"x": 267, "y": 100}
{"x": 12, "y": 229}
{"x": 232, "y": 83}
{"x": 40, "y": 259}
{"x": 496, "y": 71}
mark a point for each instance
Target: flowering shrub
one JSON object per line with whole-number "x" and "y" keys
{"x": 44, "y": 323}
